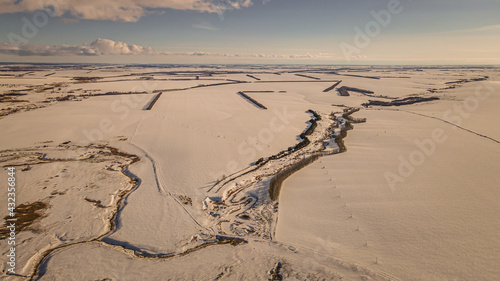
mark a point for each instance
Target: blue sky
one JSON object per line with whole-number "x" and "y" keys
{"x": 278, "y": 31}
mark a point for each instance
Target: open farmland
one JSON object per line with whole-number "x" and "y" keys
{"x": 175, "y": 169}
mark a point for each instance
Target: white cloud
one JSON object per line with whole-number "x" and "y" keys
{"x": 110, "y": 47}
{"x": 96, "y": 48}
{"x": 118, "y": 10}
{"x": 106, "y": 47}
{"x": 45, "y": 50}
{"x": 205, "y": 26}
{"x": 472, "y": 30}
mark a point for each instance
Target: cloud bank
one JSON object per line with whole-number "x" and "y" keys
{"x": 205, "y": 26}
{"x": 96, "y": 48}
{"x": 106, "y": 47}
{"x": 473, "y": 30}
{"x": 118, "y": 10}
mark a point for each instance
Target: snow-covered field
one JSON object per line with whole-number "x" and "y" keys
{"x": 108, "y": 189}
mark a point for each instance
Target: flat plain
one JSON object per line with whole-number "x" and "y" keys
{"x": 252, "y": 172}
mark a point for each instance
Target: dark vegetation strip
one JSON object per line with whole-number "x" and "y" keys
{"x": 360, "y": 76}
{"x": 277, "y": 181}
{"x": 115, "y": 93}
{"x": 399, "y": 102}
{"x": 307, "y": 76}
{"x": 343, "y": 92}
{"x": 13, "y": 93}
{"x": 332, "y": 87}
{"x": 251, "y": 76}
{"x": 251, "y": 100}
{"x": 357, "y": 90}
{"x": 153, "y": 101}
{"x": 347, "y": 115}
{"x": 317, "y": 117}
{"x": 339, "y": 139}
{"x": 461, "y": 81}
{"x": 314, "y": 70}
{"x": 305, "y": 140}
{"x": 217, "y": 84}
{"x": 261, "y": 162}
{"x": 11, "y": 99}
{"x": 200, "y": 86}
{"x": 207, "y": 73}
{"x": 80, "y": 79}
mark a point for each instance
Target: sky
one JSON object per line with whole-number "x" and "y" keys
{"x": 394, "y": 32}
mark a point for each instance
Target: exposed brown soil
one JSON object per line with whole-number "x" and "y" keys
{"x": 25, "y": 215}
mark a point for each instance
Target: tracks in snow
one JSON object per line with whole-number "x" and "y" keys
{"x": 455, "y": 125}
{"x": 447, "y": 122}
{"x": 165, "y": 190}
